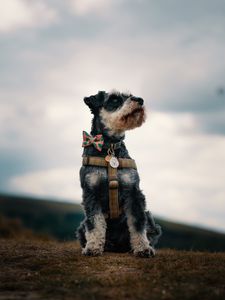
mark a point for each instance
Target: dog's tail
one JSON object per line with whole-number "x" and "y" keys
{"x": 154, "y": 230}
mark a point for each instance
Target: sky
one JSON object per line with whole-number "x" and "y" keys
{"x": 170, "y": 53}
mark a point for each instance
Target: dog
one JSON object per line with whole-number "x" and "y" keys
{"x": 131, "y": 228}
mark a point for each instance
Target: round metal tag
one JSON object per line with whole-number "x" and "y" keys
{"x": 114, "y": 163}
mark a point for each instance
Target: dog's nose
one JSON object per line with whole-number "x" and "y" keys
{"x": 138, "y": 100}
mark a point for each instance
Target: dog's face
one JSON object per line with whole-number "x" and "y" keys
{"x": 118, "y": 112}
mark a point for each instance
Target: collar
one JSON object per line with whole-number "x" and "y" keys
{"x": 113, "y": 146}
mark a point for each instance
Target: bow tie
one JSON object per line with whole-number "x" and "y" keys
{"x": 97, "y": 141}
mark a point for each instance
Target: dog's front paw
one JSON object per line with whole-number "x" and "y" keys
{"x": 92, "y": 252}
{"x": 148, "y": 252}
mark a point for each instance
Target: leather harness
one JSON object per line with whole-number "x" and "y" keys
{"x": 114, "y": 209}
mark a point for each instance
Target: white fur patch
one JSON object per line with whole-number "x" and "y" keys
{"x": 96, "y": 237}
{"x": 138, "y": 240}
{"x": 128, "y": 177}
{"x": 94, "y": 178}
{"x": 112, "y": 119}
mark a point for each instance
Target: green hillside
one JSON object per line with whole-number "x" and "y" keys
{"x": 57, "y": 219}
{"x": 60, "y": 220}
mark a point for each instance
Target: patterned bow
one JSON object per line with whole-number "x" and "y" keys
{"x": 97, "y": 141}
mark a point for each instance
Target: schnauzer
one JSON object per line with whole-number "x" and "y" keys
{"x": 132, "y": 228}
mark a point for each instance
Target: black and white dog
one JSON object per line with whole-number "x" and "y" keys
{"x": 135, "y": 229}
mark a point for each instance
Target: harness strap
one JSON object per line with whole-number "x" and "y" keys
{"x": 113, "y": 193}
{"x": 114, "y": 208}
{"x": 101, "y": 162}
{"x": 107, "y": 215}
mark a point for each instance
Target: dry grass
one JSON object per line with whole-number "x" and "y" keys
{"x": 14, "y": 229}
{"x": 51, "y": 270}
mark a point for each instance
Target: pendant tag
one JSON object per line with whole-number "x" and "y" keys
{"x": 108, "y": 157}
{"x": 114, "y": 163}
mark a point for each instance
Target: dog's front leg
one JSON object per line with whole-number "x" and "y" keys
{"x": 95, "y": 224}
{"x": 95, "y": 234}
{"x": 94, "y": 230}
{"x": 136, "y": 222}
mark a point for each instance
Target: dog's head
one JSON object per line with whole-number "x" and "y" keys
{"x": 117, "y": 112}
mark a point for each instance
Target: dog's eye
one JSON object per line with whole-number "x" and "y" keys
{"x": 115, "y": 100}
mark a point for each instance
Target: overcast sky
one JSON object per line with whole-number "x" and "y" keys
{"x": 171, "y": 53}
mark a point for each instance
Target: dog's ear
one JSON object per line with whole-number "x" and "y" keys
{"x": 95, "y": 102}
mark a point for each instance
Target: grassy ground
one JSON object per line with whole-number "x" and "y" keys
{"x": 37, "y": 269}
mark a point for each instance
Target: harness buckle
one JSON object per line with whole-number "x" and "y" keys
{"x": 113, "y": 184}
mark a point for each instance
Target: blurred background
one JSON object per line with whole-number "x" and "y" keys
{"x": 171, "y": 53}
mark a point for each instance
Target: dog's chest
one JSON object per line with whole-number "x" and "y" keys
{"x": 98, "y": 177}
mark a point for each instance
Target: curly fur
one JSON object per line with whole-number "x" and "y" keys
{"x": 128, "y": 117}
{"x": 95, "y": 237}
{"x": 135, "y": 229}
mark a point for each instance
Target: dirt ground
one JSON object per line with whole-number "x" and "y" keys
{"x": 32, "y": 269}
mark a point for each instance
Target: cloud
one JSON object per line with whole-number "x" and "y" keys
{"x": 45, "y": 183}
{"x": 43, "y": 136}
{"x": 171, "y": 54}
{"x": 16, "y": 14}
{"x": 170, "y": 77}
{"x": 89, "y": 7}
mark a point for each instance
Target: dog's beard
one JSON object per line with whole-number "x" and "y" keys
{"x": 129, "y": 116}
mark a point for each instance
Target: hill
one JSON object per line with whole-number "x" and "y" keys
{"x": 34, "y": 270}
{"x": 60, "y": 220}
{"x": 53, "y": 218}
